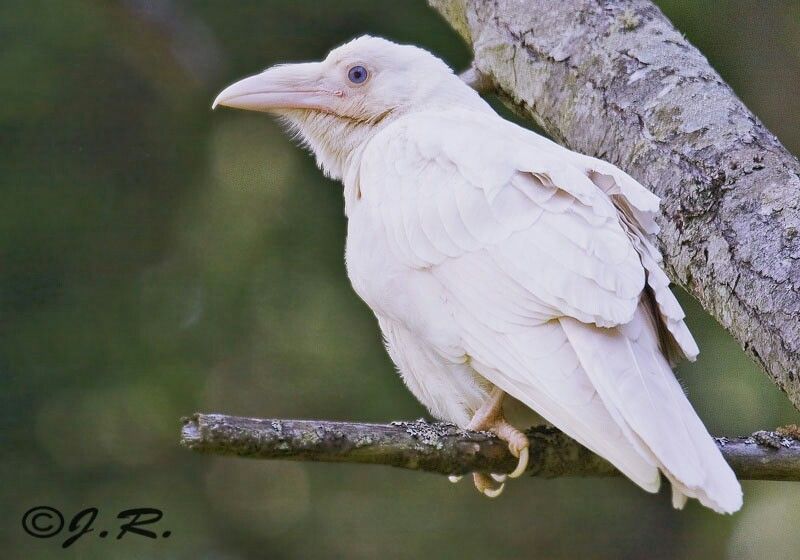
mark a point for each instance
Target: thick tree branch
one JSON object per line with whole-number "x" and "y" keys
{"x": 615, "y": 79}
{"x": 445, "y": 449}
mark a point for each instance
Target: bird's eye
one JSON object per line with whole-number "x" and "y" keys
{"x": 357, "y": 74}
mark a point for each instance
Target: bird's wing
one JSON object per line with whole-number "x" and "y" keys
{"x": 636, "y": 208}
{"x": 446, "y": 187}
{"x": 516, "y": 237}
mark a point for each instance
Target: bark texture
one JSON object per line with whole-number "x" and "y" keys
{"x": 446, "y": 449}
{"x": 616, "y": 80}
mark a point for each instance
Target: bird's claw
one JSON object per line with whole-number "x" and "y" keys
{"x": 484, "y": 485}
{"x": 522, "y": 464}
{"x": 494, "y": 492}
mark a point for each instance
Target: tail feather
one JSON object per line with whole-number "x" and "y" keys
{"x": 633, "y": 377}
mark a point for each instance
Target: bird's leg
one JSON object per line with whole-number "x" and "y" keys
{"x": 489, "y": 417}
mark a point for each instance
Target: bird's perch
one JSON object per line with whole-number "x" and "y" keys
{"x": 618, "y": 81}
{"x": 445, "y": 449}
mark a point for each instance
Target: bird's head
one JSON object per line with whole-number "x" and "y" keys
{"x": 335, "y": 105}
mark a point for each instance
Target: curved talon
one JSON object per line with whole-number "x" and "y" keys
{"x": 521, "y": 465}
{"x": 499, "y": 477}
{"x": 494, "y": 492}
{"x": 484, "y": 485}
{"x": 454, "y": 478}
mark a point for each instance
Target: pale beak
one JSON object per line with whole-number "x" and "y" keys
{"x": 289, "y": 86}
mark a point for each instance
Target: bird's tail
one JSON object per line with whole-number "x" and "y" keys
{"x": 639, "y": 388}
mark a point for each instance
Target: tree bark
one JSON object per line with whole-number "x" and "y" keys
{"x": 614, "y": 79}
{"x": 446, "y": 449}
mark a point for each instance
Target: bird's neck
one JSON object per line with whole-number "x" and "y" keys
{"x": 333, "y": 140}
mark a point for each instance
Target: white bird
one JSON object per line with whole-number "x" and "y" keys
{"x": 505, "y": 271}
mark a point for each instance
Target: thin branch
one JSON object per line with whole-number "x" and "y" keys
{"x": 616, "y": 80}
{"x": 446, "y": 449}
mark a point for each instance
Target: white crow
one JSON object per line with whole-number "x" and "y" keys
{"x": 506, "y": 272}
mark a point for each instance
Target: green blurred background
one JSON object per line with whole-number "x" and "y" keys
{"x": 157, "y": 258}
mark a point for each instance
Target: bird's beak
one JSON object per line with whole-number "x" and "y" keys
{"x": 288, "y": 86}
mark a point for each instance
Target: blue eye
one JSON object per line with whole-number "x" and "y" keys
{"x": 357, "y": 74}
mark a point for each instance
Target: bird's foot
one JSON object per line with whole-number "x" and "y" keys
{"x": 490, "y": 418}
{"x": 518, "y": 445}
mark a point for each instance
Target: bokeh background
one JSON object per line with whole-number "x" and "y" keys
{"x": 157, "y": 258}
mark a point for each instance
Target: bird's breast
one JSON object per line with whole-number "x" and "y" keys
{"x": 410, "y": 296}
{"x": 371, "y": 266}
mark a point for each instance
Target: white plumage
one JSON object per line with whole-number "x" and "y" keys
{"x": 495, "y": 258}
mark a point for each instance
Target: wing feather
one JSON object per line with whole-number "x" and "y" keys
{"x": 637, "y": 211}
